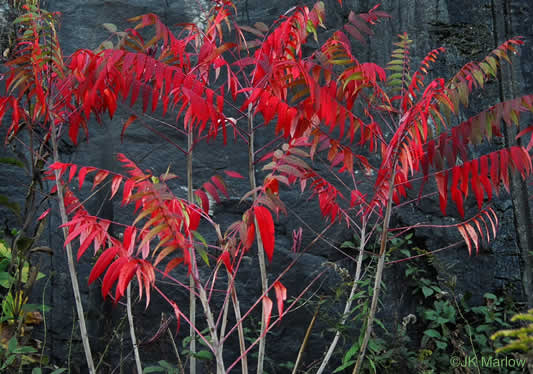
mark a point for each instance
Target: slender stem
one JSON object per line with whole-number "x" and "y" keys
{"x": 180, "y": 365}
{"x": 306, "y": 339}
{"x": 240, "y": 330}
{"x": 212, "y": 329}
{"x": 379, "y": 274}
{"x": 192, "y": 296}
{"x": 132, "y": 332}
{"x": 70, "y": 260}
{"x": 348, "y": 305}
{"x": 260, "y": 249}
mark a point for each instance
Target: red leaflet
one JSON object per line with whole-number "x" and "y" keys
{"x": 117, "y": 180}
{"x": 102, "y": 263}
{"x": 219, "y": 183}
{"x": 172, "y": 264}
{"x": 100, "y": 176}
{"x": 126, "y": 125}
{"x": 129, "y": 239}
{"x": 524, "y": 132}
{"x": 226, "y": 259}
{"x": 212, "y": 191}
{"x": 126, "y": 273}
{"x": 267, "y": 310}
{"x": 266, "y": 229}
{"x": 204, "y": 200}
{"x": 281, "y": 296}
{"x": 126, "y": 192}
{"x": 110, "y": 101}
{"x": 250, "y": 236}
{"x": 442, "y": 186}
{"x": 464, "y": 234}
{"x": 87, "y": 242}
{"x": 112, "y": 274}
{"x": 45, "y": 213}
{"x": 233, "y": 174}
{"x": 82, "y": 174}
{"x": 72, "y": 172}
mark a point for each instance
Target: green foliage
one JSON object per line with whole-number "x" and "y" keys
{"x": 163, "y": 367}
{"x": 522, "y": 336}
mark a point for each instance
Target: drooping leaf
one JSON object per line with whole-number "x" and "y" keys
{"x": 265, "y": 224}
{"x": 281, "y": 296}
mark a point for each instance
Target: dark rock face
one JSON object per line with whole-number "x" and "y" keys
{"x": 466, "y": 29}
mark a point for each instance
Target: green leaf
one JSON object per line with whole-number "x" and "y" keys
{"x": 427, "y": 291}
{"x": 432, "y": 333}
{"x": 203, "y": 355}
{"x": 59, "y": 371}
{"x": 344, "y": 366}
{"x": 165, "y": 364}
{"x": 12, "y": 344}
{"x": 36, "y": 371}
{"x": 24, "y": 349}
{"x": 11, "y": 161}
{"x": 351, "y": 352}
{"x": 153, "y": 369}
{"x": 348, "y": 244}
{"x": 5, "y": 279}
{"x": 441, "y": 345}
{"x": 204, "y": 256}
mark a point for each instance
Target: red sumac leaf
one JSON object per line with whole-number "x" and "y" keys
{"x": 219, "y": 183}
{"x": 172, "y": 264}
{"x": 233, "y": 174}
{"x": 281, "y": 296}
{"x": 208, "y": 186}
{"x": 267, "y": 310}
{"x": 250, "y": 236}
{"x": 112, "y": 274}
{"x": 465, "y": 236}
{"x": 100, "y": 176}
{"x": 115, "y": 184}
{"x": 129, "y": 239}
{"x": 226, "y": 259}
{"x": 86, "y": 243}
{"x": 204, "y": 200}
{"x": 126, "y": 273}
{"x": 265, "y": 224}
{"x": 72, "y": 172}
{"x": 82, "y": 174}
{"x": 45, "y": 213}
{"x": 102, "y": 263}
{"x": 126, "y": 125}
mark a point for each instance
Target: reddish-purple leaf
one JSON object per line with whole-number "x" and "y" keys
{"x": 172, "y": 264}
{"x": 45, "y": 213}
{"x": 117, "y": 180}
{"x": 219, "y": 183}
{"x": 126, "y": 273}
{"x": 265, "y": 224}
{"x": 126, "y": 125}
{"x": 102, "y": 263}
{"x": 203, "y": 199}
{"x": 100, "y": 176}
{"x": 112, "y": 274}
{"x": 233, "y": 174}
{"x": 226, "y": 259}
{"x": 267, "y": 310}
{"x": 281, "y": 296}
{"x": 208, "y": 186}
{"x": 465, "y": 236}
